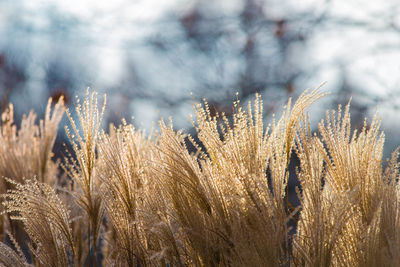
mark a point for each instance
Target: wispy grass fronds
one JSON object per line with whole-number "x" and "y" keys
{"x": 82, "y": 169}
{"x": 353, "y": 163}
{"x": 27, "y": 151}
{"x": 323, "y": 214}
{"x": 349, "y": 162}
{"x": 139, "y": 201}
{"x": 220, "y": 198}
{"x": 125, "y": 194}
{"x": 46, "y": 221}
{"x": 48, "y": 132}
{"x": 185, "y": 196}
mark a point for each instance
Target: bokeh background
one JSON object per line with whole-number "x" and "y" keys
{"x": 155, "y": 58}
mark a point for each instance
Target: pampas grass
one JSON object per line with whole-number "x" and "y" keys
{"x": 128, "y": 199}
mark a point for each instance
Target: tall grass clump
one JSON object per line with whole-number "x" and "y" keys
{"x": 82, "y": 169}
{"x": 124, "y": 198}
{"x": 26, "y": 152}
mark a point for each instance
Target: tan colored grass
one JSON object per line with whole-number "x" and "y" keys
{"x": 147, "y": 201}
{"x": 125, "y": 191}
{"x": 82, "y": 170}
{"x": 26, "y": 152}
{"x": 46, "y": 220}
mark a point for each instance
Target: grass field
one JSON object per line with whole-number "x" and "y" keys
{"x": 123, "y": 198}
